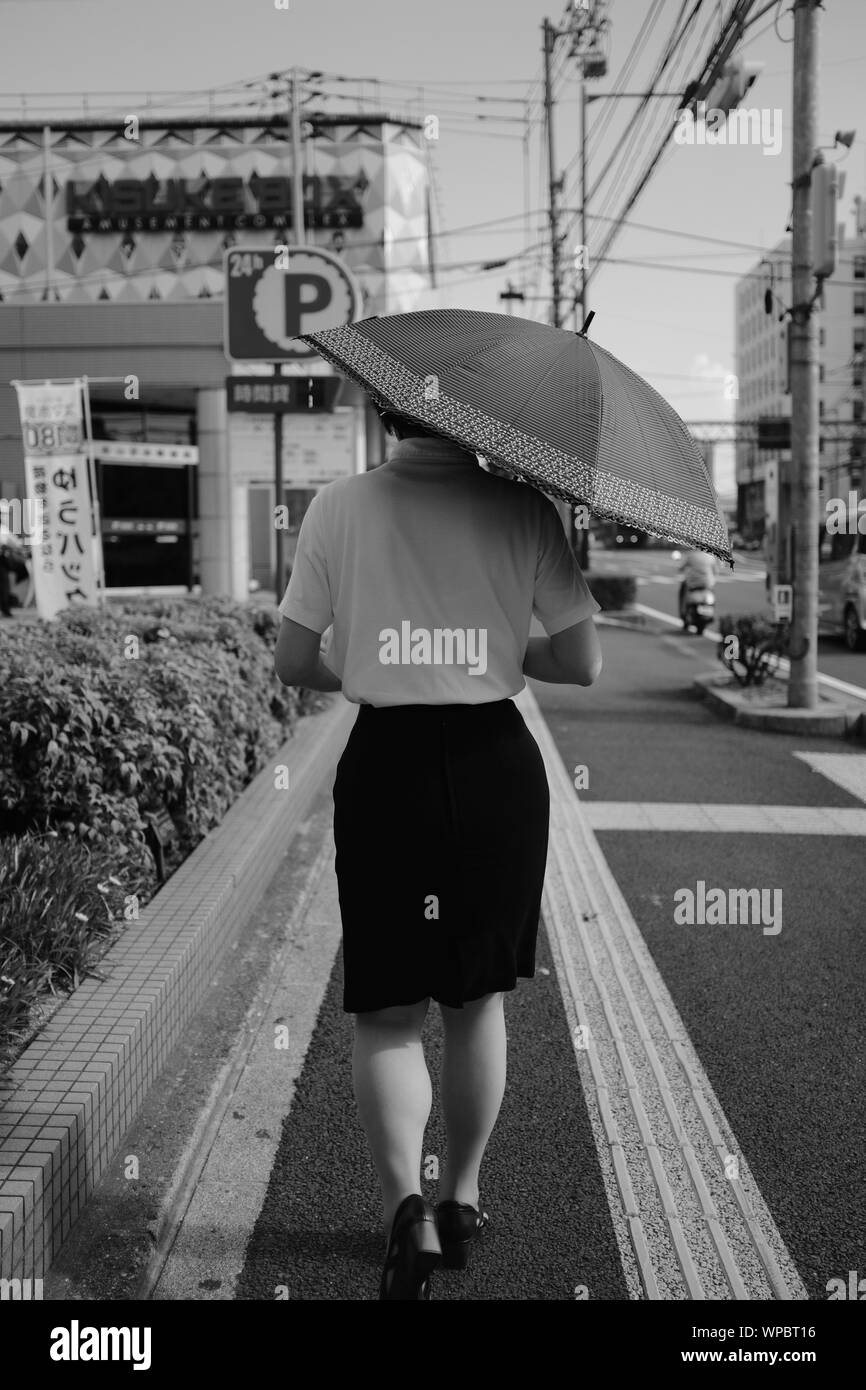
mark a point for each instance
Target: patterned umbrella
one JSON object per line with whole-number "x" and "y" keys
{"x": 551, "y": 407}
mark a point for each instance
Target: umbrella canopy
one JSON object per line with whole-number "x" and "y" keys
{"x": 550, "y": 406}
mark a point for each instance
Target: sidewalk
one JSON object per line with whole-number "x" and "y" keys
{"x": 70, "y": 1098}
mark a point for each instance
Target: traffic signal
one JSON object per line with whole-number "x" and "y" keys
{"x": 731, "y": 86}
{"x": 826, "y": 189}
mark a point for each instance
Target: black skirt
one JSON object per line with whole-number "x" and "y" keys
{"x": 441, "y": 817}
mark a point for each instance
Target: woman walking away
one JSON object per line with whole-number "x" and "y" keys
{"x": 429, "y": 569}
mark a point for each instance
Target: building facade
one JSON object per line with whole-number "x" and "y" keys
{"x": 762, "y": 376}
{"x": 112, "y": 244}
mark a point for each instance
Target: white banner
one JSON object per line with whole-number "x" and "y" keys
{"x": 66, "y": 558}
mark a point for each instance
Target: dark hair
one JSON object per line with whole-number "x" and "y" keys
{"x": 403, "y": 423}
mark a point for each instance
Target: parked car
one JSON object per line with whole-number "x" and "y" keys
{"x": 842, "y": 586}
{"x": 740, "y": 542}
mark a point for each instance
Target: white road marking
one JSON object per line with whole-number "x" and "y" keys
{"x": 685, "y": 1229}
{"x": 847, "y": 770}
{"x": 712, "y": 635}
{"x": 735, "y": 819}
{"x": 722, "y": 579}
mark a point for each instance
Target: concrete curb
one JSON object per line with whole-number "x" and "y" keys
{"x": 830, "y": 720}
{"x": 627, "y": 618}
{"x": 72, "y": 1095}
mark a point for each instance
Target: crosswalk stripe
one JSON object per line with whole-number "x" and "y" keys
{"x": 685, "y": 1229}
{"x": 735, "y": 819}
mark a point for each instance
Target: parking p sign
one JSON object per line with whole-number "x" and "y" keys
{"x": 275, "y": 293}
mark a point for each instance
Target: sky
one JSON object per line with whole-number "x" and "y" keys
{"x": 671, "y": 318}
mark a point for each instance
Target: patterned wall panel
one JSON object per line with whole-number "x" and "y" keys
{"x": 101, "y": 247}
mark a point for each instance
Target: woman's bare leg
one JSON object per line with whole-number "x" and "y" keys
{"x": 473, "y": 1084}
{"x": 394, "y": 1096}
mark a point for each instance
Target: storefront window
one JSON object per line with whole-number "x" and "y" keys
{"x": 147, "y": 510}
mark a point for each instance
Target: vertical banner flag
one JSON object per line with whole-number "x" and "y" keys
{"x": 67, "y": 556}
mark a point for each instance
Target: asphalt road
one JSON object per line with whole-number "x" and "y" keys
{"x": 740, "y": 591}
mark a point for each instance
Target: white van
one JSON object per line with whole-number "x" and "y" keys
{"x": 842, "y": 582}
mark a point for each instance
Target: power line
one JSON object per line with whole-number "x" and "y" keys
{"x": 419, "y": 82}
{"x": 100, "y": 277}
{"x": 608, "y": 107}
{"x": 658, "y": 118}
{"x": 421, "y": 102}
{"x": 782, "y": 269}
{"x": 678, "y": 232}
{"x": 264, "y": 84}
{"x": 639, "y": 125}
{"x": 664, "y": 148}
{"x": 602, "y": 122}
{"x": 644, "y": 132}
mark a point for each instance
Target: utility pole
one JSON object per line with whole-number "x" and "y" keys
{"x": 584, "y": 193}
{"x": 566, "y": 513}
{"x": 553, "y": 183}
{"x": 580, "y": 535}
{"x": 860, "y": 232}
{"x": 805, "y": 519}
{"x": 297, "y": 165}
{"x": 299, "y": 239}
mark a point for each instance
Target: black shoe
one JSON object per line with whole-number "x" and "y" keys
{"x": 459, "y": 1224}
{"x": 413, "y": 1251}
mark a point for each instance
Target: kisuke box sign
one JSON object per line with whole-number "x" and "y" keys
{"x": 207, "y": 204}
{"x": 273, "y": 295}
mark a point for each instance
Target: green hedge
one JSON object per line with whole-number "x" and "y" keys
{"x": 110, "y": 716}
{"x": 613, "y": 591}
{"x": 61, "y": 906}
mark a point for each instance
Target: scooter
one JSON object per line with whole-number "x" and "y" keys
{"x": 697, "y": 608}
